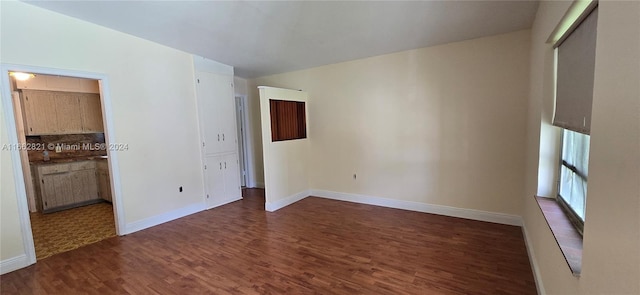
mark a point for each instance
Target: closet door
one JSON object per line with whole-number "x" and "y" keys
{"x": 232, "y": 177}
{"x": 214, "y": 176}
{"x": 227, "y": 115}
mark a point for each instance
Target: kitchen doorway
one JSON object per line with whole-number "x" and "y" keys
{"x": 59, "y": 125}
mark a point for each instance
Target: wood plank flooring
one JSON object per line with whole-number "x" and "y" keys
{"x": 315, "y": 246}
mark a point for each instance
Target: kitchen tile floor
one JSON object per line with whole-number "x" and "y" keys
{"x": 66, "y": 230}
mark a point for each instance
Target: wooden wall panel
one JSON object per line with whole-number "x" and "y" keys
{"x": 287, "y": 120}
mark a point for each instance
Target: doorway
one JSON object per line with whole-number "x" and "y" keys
{"x": 241, "y": 121}
{"x": 59, "y": 121}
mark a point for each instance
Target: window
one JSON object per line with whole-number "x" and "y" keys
{"x": 575, "y": 54}
{"x": 574, "y": 169}
{"x": 287, "y": 120}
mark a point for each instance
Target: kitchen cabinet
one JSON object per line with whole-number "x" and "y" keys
{"x": 104, "y": 180}
{"x": 56, "y": 112}
{"x": 90, "y": 113}
{"x": 39, "y": 112}
{"x": 223, "y": 179}
{"x": 65, "y": 185}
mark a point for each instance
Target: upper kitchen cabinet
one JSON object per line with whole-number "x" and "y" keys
{"x": 90, "y": 113}
{"x": 39, "y": 113}
{"x": 56, "y": 112}
{"x": 60, "y": 105}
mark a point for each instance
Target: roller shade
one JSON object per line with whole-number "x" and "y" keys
{"x": 575, "y": 71}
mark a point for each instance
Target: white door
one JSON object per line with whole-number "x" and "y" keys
{"x": 227, "y": 116}
{"x": 232, "y": 177}
{"x": 214, "y": 175}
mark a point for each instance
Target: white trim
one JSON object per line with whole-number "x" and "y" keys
{"x": 270, "y": 87}
{"x": 249, "y": 160}
{"x": 224, "y": 203}
{"x": 23, "y": 211}
{"x": 273, "y": 206}
{"x": 164, "y": 217}
{"x": 14, "y": 263}
{"x": 532, "y": 260}
{"x": 422, "y": 207}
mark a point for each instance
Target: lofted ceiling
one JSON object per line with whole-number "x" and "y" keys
{"x": 267, "y": 37}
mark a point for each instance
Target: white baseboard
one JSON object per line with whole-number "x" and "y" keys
{"x": 224, "y": 203}
{"x": 422, "y": 207}
{"x": 14, "y": 263}
{"x": 273, "y": 206}
{"x": 534, "y": 264}
{"x": 162, "y": 218}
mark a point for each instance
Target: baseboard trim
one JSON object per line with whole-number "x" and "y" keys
{"x": 164, "y": 217}
{"x": 224, "y": 203}
{"x": 537, "y": 277}
{"x": 273, "y": 206}
{"x": 14, "y": 263}
{"x": 422, "y": 207}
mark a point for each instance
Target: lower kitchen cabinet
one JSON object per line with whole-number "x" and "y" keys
{"x": 104, "y": 181}
{"x": 65, "y": 185}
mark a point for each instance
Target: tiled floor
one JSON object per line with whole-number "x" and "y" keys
{"x": 66, "y": 230}
{"x": 566, "y": 235}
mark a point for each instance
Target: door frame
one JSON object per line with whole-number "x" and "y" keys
{"x": 246, "y": 143}
{"x": 107, "y": 115}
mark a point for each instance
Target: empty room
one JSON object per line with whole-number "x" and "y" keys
{"x": 320, "y": 147}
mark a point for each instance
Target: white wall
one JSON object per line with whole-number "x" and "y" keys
{"x": 441, "y": 125}
{"x": 153, "y": 102}
{"x": 611, "y": 257}
{"x": 286, "y": 163}
{"x": 11, "y": 236}
{"x": 240, "y": 86}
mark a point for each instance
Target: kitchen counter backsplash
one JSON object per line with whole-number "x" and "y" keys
{"x": 58, "y": 147}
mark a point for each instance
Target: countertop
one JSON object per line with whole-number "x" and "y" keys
{"x": 68, "y": 160}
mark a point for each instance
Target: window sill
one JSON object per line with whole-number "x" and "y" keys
{"x": 567, "y": 237}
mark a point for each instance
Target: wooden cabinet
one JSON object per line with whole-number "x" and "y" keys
{"x": 65, "y": 185}
{"x": 39, "y": 112}
{"x": 90, "y": 113}
{"x": 104, "y": 181}
{"x": 55, "y": 112}
{"x": 223, "y": 179}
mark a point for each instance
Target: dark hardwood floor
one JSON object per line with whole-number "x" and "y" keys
{"x": 315, "y": 246}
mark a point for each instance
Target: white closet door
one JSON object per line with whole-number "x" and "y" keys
{"x": 214, "y": 175}
{"x": 232, "y": 177}
{"x": 227, "y": 115}
{"x": 212, "y": 89}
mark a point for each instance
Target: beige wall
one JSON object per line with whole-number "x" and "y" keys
{"x": 286, "y": 163}
{"x": 441, "y": 125}
{"x": 153, "y": 103}
{"x": 611, "y": 258}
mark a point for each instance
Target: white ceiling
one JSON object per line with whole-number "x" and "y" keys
{"x": 268, "y": 37}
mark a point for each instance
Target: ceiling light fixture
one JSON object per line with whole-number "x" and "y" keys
{"x": 20, "y": 76}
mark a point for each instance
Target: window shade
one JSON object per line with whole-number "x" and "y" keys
{"x": 575, "y": 71}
